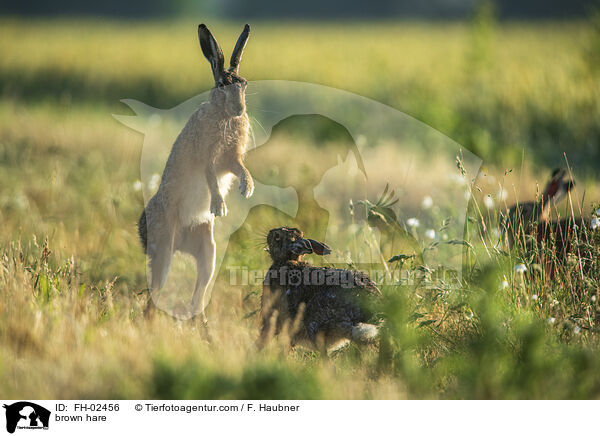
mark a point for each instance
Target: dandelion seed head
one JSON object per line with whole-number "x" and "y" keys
{"x": 430, "y": 234}
{"x": 137, "y": 185}
{"x": 412, "y": 222}
{"x": 427, "y": 202}
{"x": 154, "y": 182}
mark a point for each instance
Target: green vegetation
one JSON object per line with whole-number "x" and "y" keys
{"x": 72, "y": 272}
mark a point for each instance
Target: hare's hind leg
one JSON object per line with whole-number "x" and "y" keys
{"x": 199, "y": 242}
{"x": 160, "y": 249}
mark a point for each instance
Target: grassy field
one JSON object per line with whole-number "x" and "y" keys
{"x": 72, "y": 272}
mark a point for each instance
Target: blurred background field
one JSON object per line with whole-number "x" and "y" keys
{"x": 518, "y": 94}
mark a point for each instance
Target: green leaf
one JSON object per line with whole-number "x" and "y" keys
{"x": 401, "y": 258}
{"x": 459, "y": 242}
{"x": 426, "y": 323}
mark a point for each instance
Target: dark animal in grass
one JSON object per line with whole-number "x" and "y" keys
{"x": 529, "y": 226}
{"x": 316, "y": 305}
{"x": 523, "y": 218}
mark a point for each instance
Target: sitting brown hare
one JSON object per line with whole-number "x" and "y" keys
{"x": 317, "y": 305}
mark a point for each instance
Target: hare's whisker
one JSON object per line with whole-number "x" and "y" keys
{"x": 260, "y": 125}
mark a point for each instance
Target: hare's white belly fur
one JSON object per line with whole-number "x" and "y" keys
{"x": 195, "y": 202}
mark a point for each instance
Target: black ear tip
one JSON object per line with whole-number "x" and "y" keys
{"x": 247, "y": 27}
{"x": 202, "y": 26}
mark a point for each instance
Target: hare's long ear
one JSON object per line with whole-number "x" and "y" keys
{"x": 554, "y": 184}
{"x": 211, "y": 51}
{"x": 319, "y": 248}
{"x": 236, "y": 56}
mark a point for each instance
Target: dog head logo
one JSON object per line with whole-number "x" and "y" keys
{"x": 26, "y": 415}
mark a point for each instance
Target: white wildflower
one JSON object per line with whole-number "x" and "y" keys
{"x": 551, "y": 320}
{"x": 594, "y": 298}
{"x": 577, "y": 330}
{"x": 430, "y": 234}
{"x": 137, "y": 185}
{"x": 469, "y": 314}
{"x": 595, "y": 223}
{"x": 504, "y": 284}
{"x": 412, "y": 222}
{"x": 154, "y": 182}
{"x": 534, "y": 297}
{"x": 598, "y": 212}
{"x": 520, "y": 268}
{"x": 554, "y": 303}
{"x": 427, "y": 202}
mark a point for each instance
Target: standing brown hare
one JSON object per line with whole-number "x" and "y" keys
{"x": 205, "y": 157}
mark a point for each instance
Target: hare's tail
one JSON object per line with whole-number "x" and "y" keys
{"x": 364, "y": 333}
{"x": 143, "y": 231}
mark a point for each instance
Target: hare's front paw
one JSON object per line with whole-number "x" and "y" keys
{"x": 247, "y": 186}
{"x": 217, "y": 206}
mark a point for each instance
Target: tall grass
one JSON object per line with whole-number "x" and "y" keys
{"x": 72, "y": 273}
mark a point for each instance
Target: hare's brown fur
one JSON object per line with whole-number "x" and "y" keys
{"x": 317, "y": 305}
{"x": 553, "y": 239}
{"x": 523, "y": 218}
{"x": 205, "y": 157}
